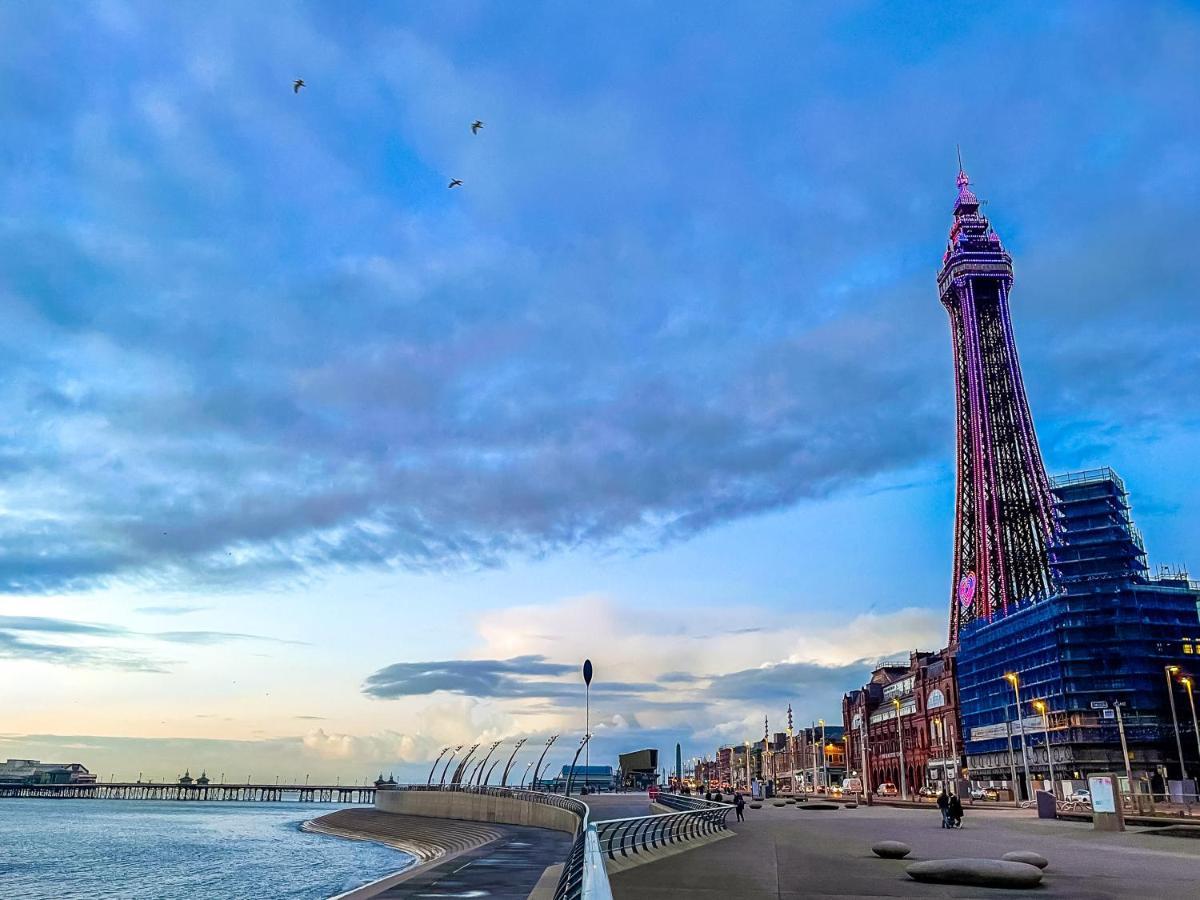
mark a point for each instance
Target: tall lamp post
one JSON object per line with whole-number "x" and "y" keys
{"x": 1015, "y": 680}
{"x": 824, "y": 757}
{"x": 1171, "y": 670}
{"x": 587, "y": 714}
{"x": 1040, "y": 706}
{"x": 900, "y": 735}
{"x": 747, "y": 745}
{"x": 1187, "y": 683}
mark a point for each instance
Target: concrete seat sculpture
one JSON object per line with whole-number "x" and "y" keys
{"x": 1027, "y": 856}
{"x": 891, "y": 849}
{"x": 996, "y": 873}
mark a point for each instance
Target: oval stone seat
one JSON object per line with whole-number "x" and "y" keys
{"x": 851, "y": 806}
{"x": 1027, "y": 856}
{"x": 790, "y": 800}
{"x": 779, "y": 803}
{"x": 891, "y": 849}
{"x": 756, "y": 806}
{"x": 819, "y": 806}
{"x": 998, "y": 873}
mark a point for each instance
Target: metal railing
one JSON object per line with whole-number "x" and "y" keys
{"x": 694, "y": 818}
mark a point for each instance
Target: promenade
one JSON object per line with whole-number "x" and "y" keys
{"x": 459, "y": 858}
{"x": 785, "y": 852}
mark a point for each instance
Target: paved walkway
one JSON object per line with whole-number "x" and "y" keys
{"x": 786, "y": 853}
{"x": 506, "y": 869}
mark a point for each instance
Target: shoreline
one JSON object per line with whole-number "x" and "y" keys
{"x": 430, "y": 842}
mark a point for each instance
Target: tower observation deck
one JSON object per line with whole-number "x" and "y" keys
{"x": 1004, "y": 521}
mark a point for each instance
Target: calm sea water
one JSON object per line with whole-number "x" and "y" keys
{"x": 149, "y": 850}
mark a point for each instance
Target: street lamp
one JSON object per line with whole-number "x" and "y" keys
{"x": 747, "y": 765}
{"x": 824, "y": 757}
{"x": 1169, "y": 671}
{"x": 1040, "y": 706}
{"x": 900, "y": 735}
{"x": 1013, "y": 679}
{"x": 1187, "y": 683}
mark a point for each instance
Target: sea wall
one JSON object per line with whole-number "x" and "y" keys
{"x": 470, "y": 807}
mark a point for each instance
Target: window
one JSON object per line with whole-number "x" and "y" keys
{"x": 1187, "y": 648}
{"x": 937, "y": 698}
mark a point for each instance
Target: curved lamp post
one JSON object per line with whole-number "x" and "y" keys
{"x": 446, "y": 768}
{"x": 462, "y": 765}
{"x": 432, "y": 768}
{"x": 587, "y": 709}
{"x": 538, "y": 767}
{"x": 1171, "y": 670}
{"x": 571, "y": 775}
{"x": 525, "y": 774}
{"x": 508, "y": 765}
{"x": 492, "y": 768}
{"x": 1187, "y": 683}
{"x": 491, "y": 750}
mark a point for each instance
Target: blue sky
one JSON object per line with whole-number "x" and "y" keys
{"x": 297, "y": 436}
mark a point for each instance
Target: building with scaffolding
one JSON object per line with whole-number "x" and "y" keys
{"x": 1103, "y": 655}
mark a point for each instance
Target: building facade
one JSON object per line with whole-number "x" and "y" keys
{"x": 902, "y": 726}
{"x": 1104, "y": 654}
{"x": 32, "y": 771}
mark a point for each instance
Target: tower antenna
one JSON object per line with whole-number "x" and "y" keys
{"x": 958, "y": 150}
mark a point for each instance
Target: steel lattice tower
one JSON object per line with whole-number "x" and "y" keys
{"x": 1004, "y": 517}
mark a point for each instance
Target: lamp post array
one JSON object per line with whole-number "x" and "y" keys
{"x": 1040, "y": 706}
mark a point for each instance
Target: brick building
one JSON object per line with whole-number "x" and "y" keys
{"x": 922, "y": 697}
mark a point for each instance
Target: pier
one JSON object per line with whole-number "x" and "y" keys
{"x": 246, "y": 793}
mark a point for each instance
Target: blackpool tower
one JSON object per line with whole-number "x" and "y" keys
{"x": 1004, "y": 519}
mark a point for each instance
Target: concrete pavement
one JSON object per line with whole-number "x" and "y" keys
{"x": 786, "y": 853}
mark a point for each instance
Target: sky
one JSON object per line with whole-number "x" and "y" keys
{"x": 311, "y": 466}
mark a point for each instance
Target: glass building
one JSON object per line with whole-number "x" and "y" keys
{"x": 1108, "y": 636}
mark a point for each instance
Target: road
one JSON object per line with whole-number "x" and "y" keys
{"x": 786, "y": 853}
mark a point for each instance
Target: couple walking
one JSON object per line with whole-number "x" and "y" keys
{"x": 952, "y": 811}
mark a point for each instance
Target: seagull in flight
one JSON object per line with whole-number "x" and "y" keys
{"x": 475, "y": 126}
{"x": 297, "y": 84}
{"x": 454, "y": 182}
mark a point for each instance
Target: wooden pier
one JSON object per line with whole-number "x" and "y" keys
{"x": 246, "y": 793}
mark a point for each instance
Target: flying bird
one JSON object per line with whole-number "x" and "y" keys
{"x": 475, "y": 126}
{"x": 297, "y": 84}
{"x": 454, "y": 182}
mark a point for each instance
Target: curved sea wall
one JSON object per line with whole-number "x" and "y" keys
{"x": 472, "y": 807}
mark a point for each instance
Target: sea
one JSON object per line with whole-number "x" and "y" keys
{"x": 164, "y": 850}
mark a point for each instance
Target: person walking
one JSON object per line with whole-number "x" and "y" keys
{"x": 943, "y": 802}
{"x": 739, "y": 805}
{"x": 956, "y": 811}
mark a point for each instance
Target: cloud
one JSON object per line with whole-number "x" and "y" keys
{"x": 178, "y": 610}
{"x": 14, "y": 646}
{"x": 215, "y": 392}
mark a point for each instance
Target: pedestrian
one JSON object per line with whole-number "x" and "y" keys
{"x": 739, "y": 805}
{"x": 708, "y": 795}
{"x": 956, "y": 811}
{"x": 943, "y": 802}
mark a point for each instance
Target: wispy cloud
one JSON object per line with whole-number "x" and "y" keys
{"x": 169, "y": 610}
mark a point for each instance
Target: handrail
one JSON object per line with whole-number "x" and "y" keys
{"x": 691, "y": 817}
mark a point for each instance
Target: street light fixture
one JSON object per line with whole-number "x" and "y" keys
{"x": 1040, "y": 706}
{"x": 1169, "y": 671}
{"x": 1187, "y": 683}
{"x": 1015, "y": 680}
{"x": 900, "y": 735}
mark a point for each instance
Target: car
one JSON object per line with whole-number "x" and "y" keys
{"x": 927, "y": 791}
{"x": 984, "y": 793}
{"x": 835, "y": 791}
{"x": 1080, "y": 795}
{"x": 887, "y": 789}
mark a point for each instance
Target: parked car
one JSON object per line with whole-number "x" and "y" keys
{"x": 984, "y": 793}
{"x": 887, "y": 789}
{"x": 927, "y": 791}
{"x": 1080, "y": 795}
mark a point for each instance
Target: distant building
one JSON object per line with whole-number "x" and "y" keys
{"x": 638, "y": 770}
{"x": 32, "y": 771}
{"x": 594, "y": 778}
{"x": 927, "y": 712}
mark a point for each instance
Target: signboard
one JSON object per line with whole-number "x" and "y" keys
{"x": 1032, "y": 725}
{"x": 1108, "y": 714}
{"x": 1099, "y": 704}
{"x": 1104, "y": 795}
{"x": 898, "y": 688}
